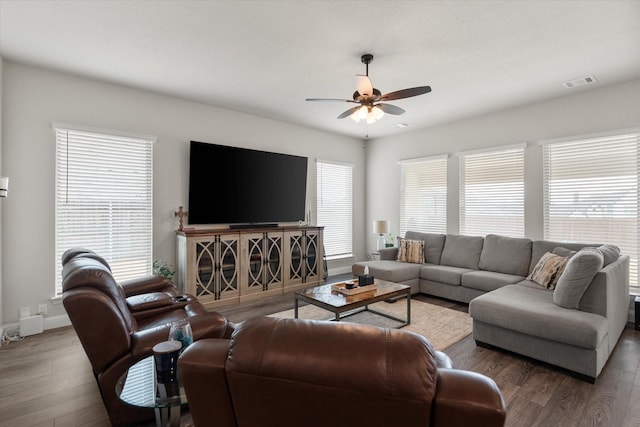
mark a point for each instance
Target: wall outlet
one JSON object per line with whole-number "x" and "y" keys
{"x": 25, "y": 312}
{"x": 42, "y": 309}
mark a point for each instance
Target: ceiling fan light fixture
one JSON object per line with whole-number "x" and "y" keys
{"x": 377, "y": 112}
{"x": 363, "y": 85}
{"x": 363, "y": 112}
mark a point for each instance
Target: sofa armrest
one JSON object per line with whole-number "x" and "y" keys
{"x": 202, "y": 369}
{"x": 148, "y": 284}
{"x": 463, "y": 395}
{"x": 388, "y": 254}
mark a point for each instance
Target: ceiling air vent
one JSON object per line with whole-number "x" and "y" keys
{"x": 579, "y": 82}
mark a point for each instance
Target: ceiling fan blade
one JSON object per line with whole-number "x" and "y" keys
{"x": 349, "y": 112}
{"x": 363, "y": 84}
{"x": 390, "y": 109}
{"x": 406, "y": 93}
{"x": 329, "y": 100}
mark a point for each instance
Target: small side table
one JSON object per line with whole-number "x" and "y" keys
{"x": 636, "y": 309}
{"x": 138, "y": 387}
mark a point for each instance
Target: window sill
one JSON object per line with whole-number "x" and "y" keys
{"x": 339, "y": 257}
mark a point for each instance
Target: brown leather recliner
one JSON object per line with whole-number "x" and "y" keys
{"x": 292, "y": 372}
{"x": 118, "y": 324}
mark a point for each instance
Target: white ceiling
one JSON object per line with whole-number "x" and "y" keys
{"x": 266, "y": 57}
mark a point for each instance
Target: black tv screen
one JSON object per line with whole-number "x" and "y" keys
{"x": 231, "y": 185}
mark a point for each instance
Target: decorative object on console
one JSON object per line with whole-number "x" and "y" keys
{"x": 4, "y": 186}
{"x": 181, "y": 215}
{"x": 381, "y": 227}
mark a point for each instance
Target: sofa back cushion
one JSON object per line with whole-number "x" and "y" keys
{"x": 433, "y": 244}
{"x": 578, "y": 274}
{"x": 507, "y": 255}
{"x": 540, "y": 247}
{"x": 462, "y": 251}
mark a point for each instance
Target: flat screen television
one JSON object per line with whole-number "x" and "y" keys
{"x": 239, "y": 186}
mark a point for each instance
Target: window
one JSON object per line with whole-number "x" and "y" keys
{"x": 591, "y": 193}
{"x": 104, "y": 199}
{"x": 334, "y": 205}
{"x": 423, "y": 195}
{"x": 492, "y": 192}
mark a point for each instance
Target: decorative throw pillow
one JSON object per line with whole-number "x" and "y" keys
{"x": 548, "y": 270}
{"x": 578, "y": 274}
{"x": 411, "y": 251}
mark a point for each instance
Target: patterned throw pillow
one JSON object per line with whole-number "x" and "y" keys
{"x": 548, "y": 270}
{"x": 411, "y": 251}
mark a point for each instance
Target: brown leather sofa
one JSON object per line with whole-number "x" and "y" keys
{"x": 118, "y": 324}
{"x": 292, "y": 372}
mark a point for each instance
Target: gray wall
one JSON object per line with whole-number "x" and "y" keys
{"x": 34, "y": 98}
{"x": 583, "y": 112}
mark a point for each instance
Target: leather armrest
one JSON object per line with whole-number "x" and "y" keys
{"x": 148, "y": 284}
{"x": 463, "y": 395}
{"x": 202, "y": 369}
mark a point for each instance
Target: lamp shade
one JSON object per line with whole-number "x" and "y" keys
{"x": 381, "y": 226}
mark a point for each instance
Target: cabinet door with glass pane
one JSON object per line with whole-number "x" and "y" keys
{"x": 294, "y": 251}
{"x": 313, "y": 266}
{"x": 213, "y": 274}
{"x": 261, "y": 262}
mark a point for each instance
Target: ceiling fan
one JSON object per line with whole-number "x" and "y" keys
{"x": 371, "y": 107}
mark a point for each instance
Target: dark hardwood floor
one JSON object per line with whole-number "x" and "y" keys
{"x": 46, "y": 380}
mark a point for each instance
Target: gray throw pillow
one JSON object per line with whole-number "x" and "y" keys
{"x": 578, "y": 274}
{"x": 610, "y": 253}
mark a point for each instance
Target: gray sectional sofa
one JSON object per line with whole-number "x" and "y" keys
{"x": 509, "y": 310}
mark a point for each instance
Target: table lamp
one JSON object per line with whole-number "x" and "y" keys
{"x": 381, "y": 227}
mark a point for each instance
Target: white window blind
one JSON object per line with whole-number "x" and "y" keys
{"x": 334, "y": 206}
{"x": 492, "y": 192}
{"x": 591, "y": 193}
{"x": 104, "y": 199}
{"x": 423, "y": 195}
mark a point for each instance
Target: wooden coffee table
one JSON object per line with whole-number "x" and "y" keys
{"x": 346, "y": 305}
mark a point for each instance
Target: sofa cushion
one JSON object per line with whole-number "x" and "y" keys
{"x": 540, "y": 247}
{"x": 610, "y": 253}
{"x": 433, "y": 244}
{"x": 488, "y": 280}
{"x": 462, "y": 251}
{"x": 411, "y": 251}
{"x": 531, "y": 311}
{"x": 563, "y": 252}
{"x": 392, "y": 271}
{"x": 577, "y": 275}
{"x": 548, "y": 270}
{"x": 507, "y": 255}
{"x": 443, "y": 274}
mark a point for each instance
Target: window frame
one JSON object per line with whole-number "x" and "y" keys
{"x": 412, "y": 189}
{"x": 574, "y": 150}
{"x": 345, "y": 242}
{"x": 498, "y": 174}
{"x": 91, "y": 165}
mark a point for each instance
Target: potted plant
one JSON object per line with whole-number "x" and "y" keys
{"x": 162, "y": 268}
